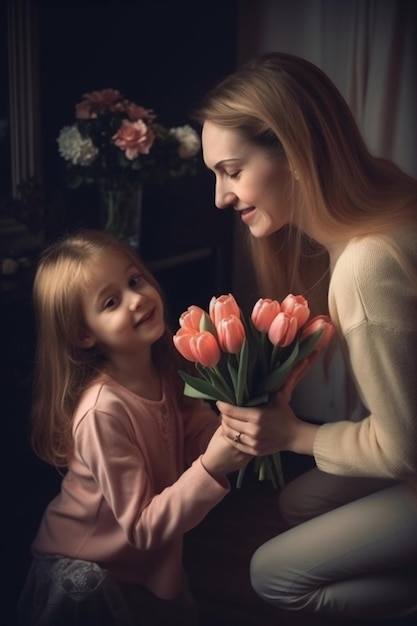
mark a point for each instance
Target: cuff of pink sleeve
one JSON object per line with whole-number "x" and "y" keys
{"x": 223, "y": 480}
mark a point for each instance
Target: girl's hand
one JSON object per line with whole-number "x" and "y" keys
{"x": 220, "y": 458}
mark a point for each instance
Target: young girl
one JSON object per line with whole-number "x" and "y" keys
{"x": 328, "y": 219}
{"x": 143, "y": 463}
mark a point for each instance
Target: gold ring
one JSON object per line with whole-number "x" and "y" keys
{"x": 236, "y": 438}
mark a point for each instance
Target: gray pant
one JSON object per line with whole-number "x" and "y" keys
{"x": 352, "y": 550}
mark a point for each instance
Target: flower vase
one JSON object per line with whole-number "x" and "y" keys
{"x": 121, "y": 212}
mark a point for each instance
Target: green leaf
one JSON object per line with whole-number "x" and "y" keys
{"x": 266, "y": 467}
{"x": 233, "y": 376}
{"x": 240, "y": 477}
{"x": 277, "y": 464}
{"x": 259, "y": 343}
{"x": 241, "y": 384}
{"x": 275, "y": 379}
{"x": 198, "y": 388}
{"x": 222, "y": 368}
{"x": 217, "y": 379}
{"x": 279, "y": 354}
{"x": 258, "y": 400}
{"x": 207, "y": 324}
{"x": 262, "y": 469}
{"x": 308, "y": 345}
{"x": 193, "y": 392}
{"x": 205, "y": 372}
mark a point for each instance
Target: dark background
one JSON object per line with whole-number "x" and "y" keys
{"x": 164, "y": 56}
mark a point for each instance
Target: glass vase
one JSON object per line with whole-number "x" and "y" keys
{"x": 121, "y": 212}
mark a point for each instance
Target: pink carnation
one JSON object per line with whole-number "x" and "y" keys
{"x": 136, "y": 112}
{"x": 134, "y": 138}
{"x": 92, "y": 102}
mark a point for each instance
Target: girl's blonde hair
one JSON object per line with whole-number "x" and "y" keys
{"x": 289, "y": 107}
{"x": 62, "y": 368}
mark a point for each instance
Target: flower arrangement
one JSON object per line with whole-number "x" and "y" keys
{"x": 244, "y": 361}
{"x": 117, "y": 139}
{"x": 119, "y": 145}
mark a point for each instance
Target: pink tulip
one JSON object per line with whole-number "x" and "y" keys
{"x": 206, "y": 348}
{"x": 182, "y": 342}
{"x": 296, "y": 306}
{"x": 191, "y": 317}
{"x": 263, "y": 313}
{"x": 320, "y": 322}
{"x": 231, "y": 333}
{"x": 201, "y": 347}
{"x": 222, "y": 307}
{"x": 283, "y": 329}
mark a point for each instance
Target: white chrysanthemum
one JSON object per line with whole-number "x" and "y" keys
{"x": 188, "y": 139}
{"x": 75, "y": 148}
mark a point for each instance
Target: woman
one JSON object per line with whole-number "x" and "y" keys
{"x": 329, "y": 220}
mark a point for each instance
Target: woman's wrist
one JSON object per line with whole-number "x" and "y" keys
{"x": 304, "y": 434}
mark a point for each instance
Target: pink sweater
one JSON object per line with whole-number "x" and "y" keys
{"x": 135, "y": 485}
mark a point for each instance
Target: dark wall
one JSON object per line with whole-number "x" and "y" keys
{"x": 163, "y": 55}
{"x": 5, "y": 160}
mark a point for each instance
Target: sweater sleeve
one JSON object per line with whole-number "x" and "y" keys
{"x": 122, "y": 467}
{"x": 383, "y": 443}
{"x": 375, "y": 307}
{"x": 200, "y": 423}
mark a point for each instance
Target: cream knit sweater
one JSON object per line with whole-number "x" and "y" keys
{"x": 374, "y": 305}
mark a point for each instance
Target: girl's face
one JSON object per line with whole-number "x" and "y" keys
{"x": 123, "y": 312}
{"x": 248, "y": 179}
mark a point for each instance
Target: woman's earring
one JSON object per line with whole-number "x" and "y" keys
{"x": 295, "y": 174}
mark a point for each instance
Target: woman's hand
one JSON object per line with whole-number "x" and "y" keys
{"x": 263, "y": 430}
{"x": 273, "y": 428}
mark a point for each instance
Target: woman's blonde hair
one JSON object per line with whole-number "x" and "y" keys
{"x": 62, "y": 368}
{"x": 289, "y": 107}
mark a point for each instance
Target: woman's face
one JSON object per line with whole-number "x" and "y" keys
{"x": 248, "y": 179}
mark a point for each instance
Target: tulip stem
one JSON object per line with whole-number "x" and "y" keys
{"x": 220, "y": 380}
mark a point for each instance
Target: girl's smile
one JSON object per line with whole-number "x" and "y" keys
{"x": 122, "y": 310}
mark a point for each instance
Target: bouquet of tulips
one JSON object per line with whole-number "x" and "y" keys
{"x": 244, "y": 361}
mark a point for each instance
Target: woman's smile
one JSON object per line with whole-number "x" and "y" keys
{"x": 248, "y": 179}
{"x": 246, "y": 215}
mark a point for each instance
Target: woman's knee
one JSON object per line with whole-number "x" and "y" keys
{"x": 272, "y": 577}
{"x": 262, "y": 569}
